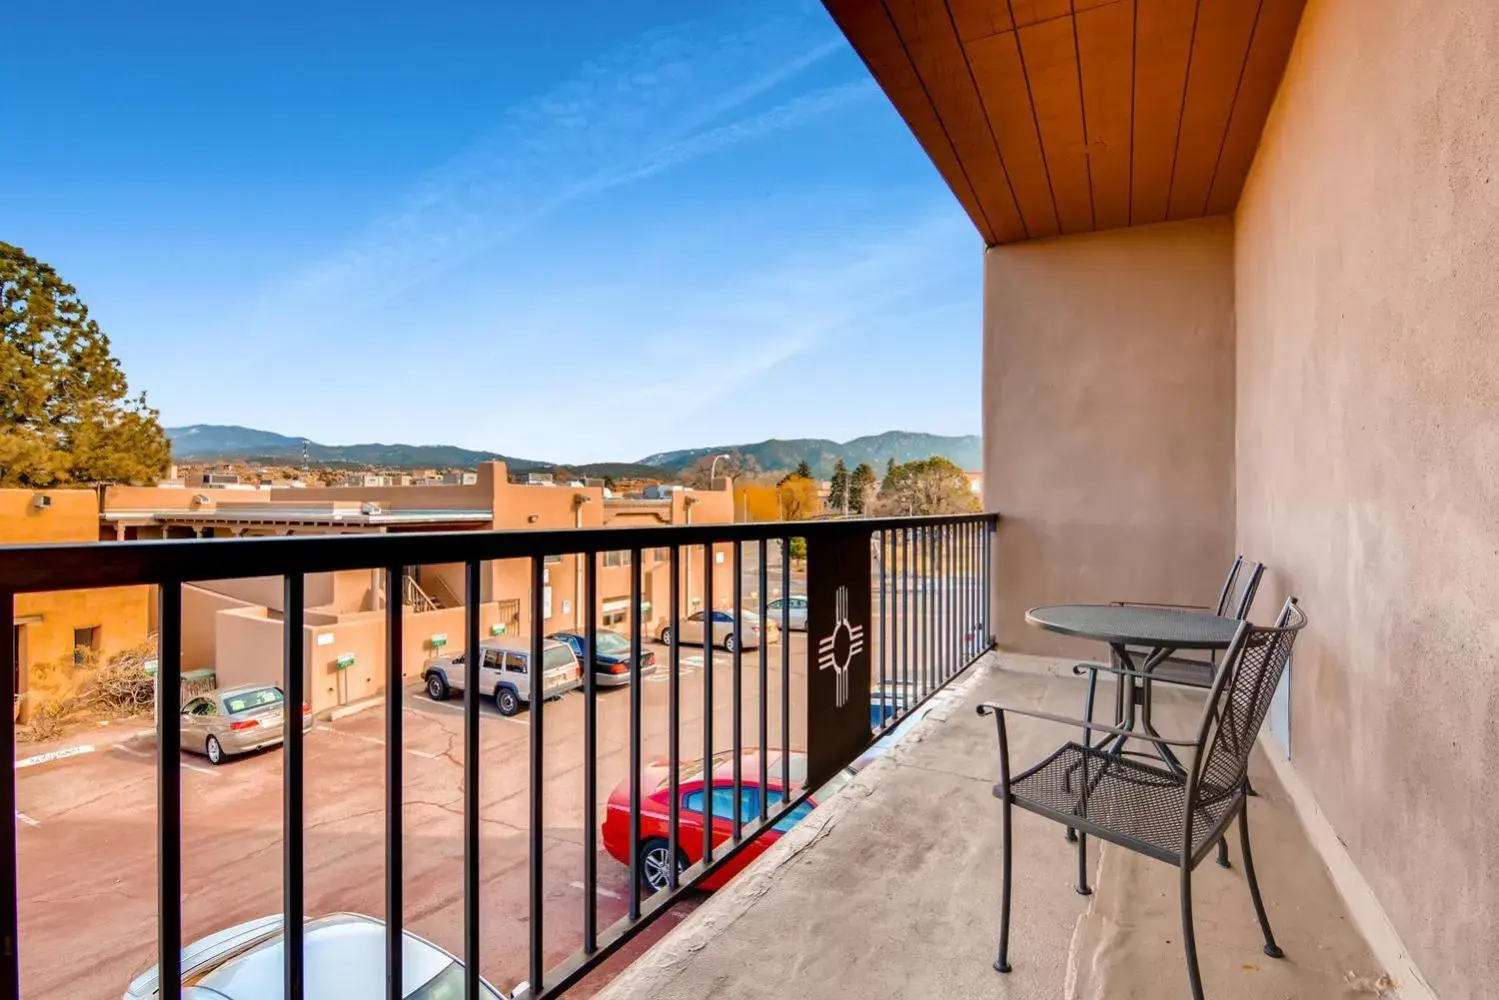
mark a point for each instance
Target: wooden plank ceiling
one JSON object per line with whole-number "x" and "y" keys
{"x": 1065, "y": 116}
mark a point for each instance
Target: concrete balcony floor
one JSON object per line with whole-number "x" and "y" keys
{"x": 892, "y": 889}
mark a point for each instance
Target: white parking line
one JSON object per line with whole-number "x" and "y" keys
{"x": 62, "y": 754}
{"x": 377, "y": 741}
{"x": 145, "y": 753}
{"x": 602, "y": 891}
{"x": 27, "y": 819}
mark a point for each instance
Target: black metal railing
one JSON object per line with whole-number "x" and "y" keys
{"x": 895, "y": 609}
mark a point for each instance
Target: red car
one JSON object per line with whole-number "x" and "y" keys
{"x": 655, "y": 813}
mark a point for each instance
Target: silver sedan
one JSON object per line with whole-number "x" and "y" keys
{"x": 236, "y": 720}
{"x": 796, "y": 615}
{"x": 344, "y": 958}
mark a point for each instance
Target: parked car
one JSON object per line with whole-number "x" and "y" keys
{"x": 611, "y": 660}
{"x": 505, "y": 672}
{"x": 344, "y": 956}
{"x": 797, "y": 617}
{"x": 236, "y": 720}
{"x": 692, "y": 628}
{"x": 655, "y": 813}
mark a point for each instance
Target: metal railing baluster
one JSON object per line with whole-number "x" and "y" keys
{"x": 168, "y": 793}
{"x": 636, "y": 624}
{"x": 674, "y": 722}
{"x": 536, "y": 829}
{"x": 394, "y": 739}
{"x": 710, "y": 630}
{"x": 292, "y": 758}
{"x": 591, "y": 745}
{"x": 10, "y": 956}
{"x": 738, "y": 660}
{"x": 762, "y": 585}
{"x": 472, "y": 663}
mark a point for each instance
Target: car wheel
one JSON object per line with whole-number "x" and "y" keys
{"x": 729, "y": 642}
{"x": 654, "y": 873}
{"x": 666, "y": 637}
{"x": 506, "y": 701}
{"x": 437, "y": 688}
{"x": 215, "y": 752}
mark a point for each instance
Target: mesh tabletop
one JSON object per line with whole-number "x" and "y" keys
{"x": 1135, "y": 626}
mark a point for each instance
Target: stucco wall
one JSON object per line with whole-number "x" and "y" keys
{"x": 1368, "y": 436}
{"x": 1108, "y": 420}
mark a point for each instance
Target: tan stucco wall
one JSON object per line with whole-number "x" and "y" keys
{"x": 250, "y": 650}
{"x": 123, "y": 615}
{"x": 1108, "y": 420}
{"x": 1368, "y": 436}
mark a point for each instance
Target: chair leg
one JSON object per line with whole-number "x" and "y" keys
{"x": 1189, "y": 933}
{"x": 1271, "y": 948}
{"x": 1082, "y": 865}
{"x": 1223, "y": 853}
{"x": 1087, "y": 739}
{"x": 1002, "y": 963}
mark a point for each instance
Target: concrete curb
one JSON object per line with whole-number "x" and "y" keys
{"x": 645, "y": 977}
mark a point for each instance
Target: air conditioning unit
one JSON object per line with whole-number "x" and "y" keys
{"x": 369, "y": 508}
{"x": 41, "y": 501}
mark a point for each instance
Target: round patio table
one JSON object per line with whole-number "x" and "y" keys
{"x": 1158, "y": 630}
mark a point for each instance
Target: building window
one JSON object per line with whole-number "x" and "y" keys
{"x": 551, "y": 560}
{"x": 616, "y": 558}
{"x": 85, "y": 644}
{"x": 663, "y": 554}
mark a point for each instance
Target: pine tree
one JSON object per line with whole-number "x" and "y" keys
{"x": 861, "y": 485}
{"x": 66, "y": 416}
{"x": 803, "y": 469}
{"x": 838, "y": 487}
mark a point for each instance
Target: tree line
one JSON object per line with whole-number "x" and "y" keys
{"x": 67, "y": 416}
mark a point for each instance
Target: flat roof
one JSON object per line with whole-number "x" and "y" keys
{"x": 305, "y": 515}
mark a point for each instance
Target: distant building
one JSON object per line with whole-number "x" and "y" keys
{"x": 534, "y": 479}
{"x": 975, "y": 483}
{"x": 459, "y": 478}
{"x": 234, "y": 626}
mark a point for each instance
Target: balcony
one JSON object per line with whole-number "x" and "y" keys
{"x": 894, "y": 888}
{"x": 509, "y": 838}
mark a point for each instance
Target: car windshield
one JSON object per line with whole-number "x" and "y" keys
{"x": 246, "y": 701}
{"x": 448, "y": 985}
{"x": 612, "y": 643}
{"x": 557, "y": 656}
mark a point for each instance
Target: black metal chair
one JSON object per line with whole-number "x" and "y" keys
{"x": 1119, "y": 797}
{"x": 1234, "y": 601}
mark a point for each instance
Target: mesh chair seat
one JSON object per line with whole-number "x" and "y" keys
{"x": 1127, "y": 801}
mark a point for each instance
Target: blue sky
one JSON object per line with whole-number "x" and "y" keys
{"x": 574, "y": 232}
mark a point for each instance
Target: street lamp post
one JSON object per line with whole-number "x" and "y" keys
{"x": 713, "y": 469}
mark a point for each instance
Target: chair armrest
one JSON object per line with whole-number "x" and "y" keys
{"x": 1160, "y": 604}
{"x": 991, "y": 708}
{"x": 1081, "y": 668}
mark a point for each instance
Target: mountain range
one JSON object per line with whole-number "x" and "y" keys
{"x": 965, "y": 451}
{"x": 218, "y": 442}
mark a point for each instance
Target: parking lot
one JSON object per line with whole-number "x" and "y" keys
{"x": 87, "y": 828}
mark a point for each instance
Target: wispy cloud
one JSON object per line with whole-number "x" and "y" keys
{"x": 666, "y": 99}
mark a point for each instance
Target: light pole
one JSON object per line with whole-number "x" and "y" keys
{"x": 713, "y": 469}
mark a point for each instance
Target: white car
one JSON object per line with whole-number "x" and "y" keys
{"x": 797, "y": 617}
{"x": 345, "y": 958}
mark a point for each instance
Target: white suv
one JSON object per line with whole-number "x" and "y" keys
{"x": 505, "y": 672}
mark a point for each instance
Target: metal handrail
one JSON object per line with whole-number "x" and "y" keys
{"x": 923, "y": 634}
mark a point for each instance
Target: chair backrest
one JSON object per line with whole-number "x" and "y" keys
{"x": 1237, "y": 595}
{"x": 1240, "y": 699}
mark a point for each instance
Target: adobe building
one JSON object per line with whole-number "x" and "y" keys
{"x": 234, "y": 626}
